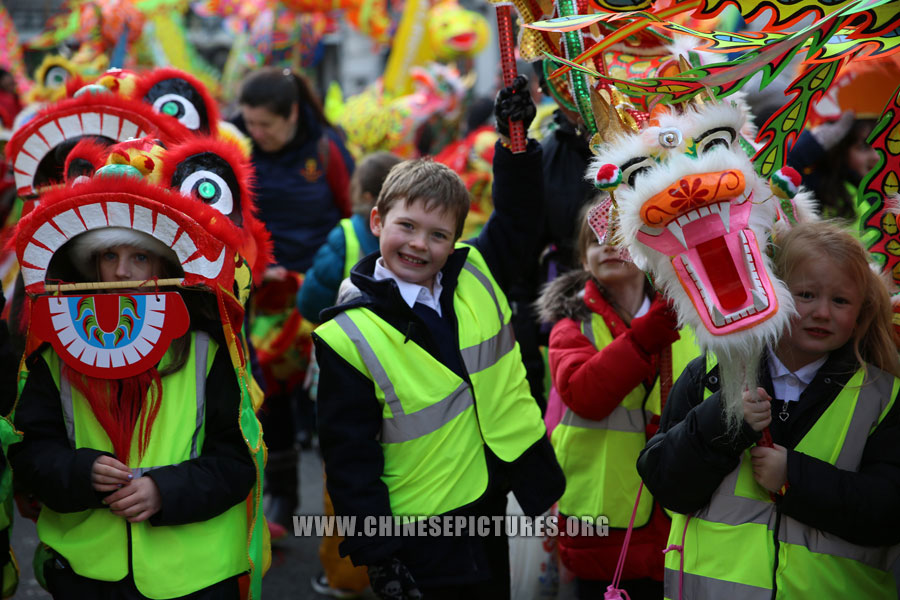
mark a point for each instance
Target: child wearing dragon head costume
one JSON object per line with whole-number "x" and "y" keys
{"x": 128, "y": 412}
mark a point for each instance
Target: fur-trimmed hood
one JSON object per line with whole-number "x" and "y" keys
{"x": 563, "y": 298}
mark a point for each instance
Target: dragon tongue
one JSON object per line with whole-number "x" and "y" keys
{"x": 107, "y": 307}
{"x": 722, "y": 274}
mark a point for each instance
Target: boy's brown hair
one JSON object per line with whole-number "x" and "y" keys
{"x": 368, "y": 178}
{"x": 422, "y": 179}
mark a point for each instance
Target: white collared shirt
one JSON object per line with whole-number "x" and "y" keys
{"x": 412, "y": 292}
{"x": 644, "y": 309}
{"x": 787, "y": 384}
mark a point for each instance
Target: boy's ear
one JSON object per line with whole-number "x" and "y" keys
{"x": 375, "y": 222}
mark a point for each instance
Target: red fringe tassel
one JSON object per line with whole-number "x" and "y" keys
{"x": 120, "y": 408}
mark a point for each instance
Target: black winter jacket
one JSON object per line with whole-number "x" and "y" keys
{"x": 687, "y": 459}
{"x": 350, "y": 416}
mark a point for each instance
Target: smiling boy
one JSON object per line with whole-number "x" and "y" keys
{"x": 424, "y": 409}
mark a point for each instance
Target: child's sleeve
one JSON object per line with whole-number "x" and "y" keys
{"x": 349, "y": 421}
{"x": 591, "y": 382}
{"x": 323, "y": 280}
{"x": 509, "y": 240}
{"x": 684, "y": 463}
{"x": 223, "y": 475}
{"x": 43, "y": 461}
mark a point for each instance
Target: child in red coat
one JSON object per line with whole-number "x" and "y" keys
{"x": 611, "y": 330}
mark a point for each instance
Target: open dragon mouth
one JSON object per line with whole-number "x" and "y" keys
{"x": 71, "y": 120}
{"x": 718, "y": 262}
{"x": 64, "y": 221}
{"x": 463, "y": 41}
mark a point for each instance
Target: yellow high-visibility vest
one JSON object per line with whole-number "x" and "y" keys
{"x": 167, "y": 561}
{"x": 729, "y": 546}
{"x": 599, "y": 457}
{"x": 434, "y": 422}
{"x": 351, "y": 246}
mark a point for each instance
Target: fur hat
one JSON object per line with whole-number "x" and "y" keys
{"x": 84, "y": 247}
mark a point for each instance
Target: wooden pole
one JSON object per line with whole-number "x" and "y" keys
{"x": 110, "y": 285}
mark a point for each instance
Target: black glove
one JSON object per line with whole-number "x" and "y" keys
{"x": 514, "y": 102}
{"x": 393, "y": 581}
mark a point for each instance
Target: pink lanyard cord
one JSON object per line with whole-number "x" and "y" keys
{"x": 680, "y": 550}
{"x": 613, "y": 592}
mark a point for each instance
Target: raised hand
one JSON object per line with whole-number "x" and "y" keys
{"x": 514, "y": 102}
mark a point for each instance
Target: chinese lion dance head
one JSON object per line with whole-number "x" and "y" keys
{"x": 189, "y": 203}
{"x": 693, "y": 212}
{"x": 192, "y": 197}
{"x": 167, "y": 104}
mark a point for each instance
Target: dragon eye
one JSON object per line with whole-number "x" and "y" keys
{"x": 670, "y": 137}
{"x": 178, "y": 98}
{"x": 635, "y": 167}
{"x": 210, "y": 189}
{"x": 720, "y": 137}
{"x": 209, "y": 178}
{"x": 56, "y": 77}
{"x": 178, "y": 107}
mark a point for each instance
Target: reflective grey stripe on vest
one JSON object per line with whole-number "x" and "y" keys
{"x": 201, "y": 348}
{"x": 379, "y": 375}
{"x": 794, "y": 532}
{"x": 620, "y": 419}
{"x": 65, "y": 398}
{"x": 484, "y": 355}
{"x": 404, "y": 427}
{"x": 698, "y": 587}
{"x": 587, "y": 329}
{"x": 874, "y": 397}
{"x": 725, "y": 507}
{"x": 140, "y": 471}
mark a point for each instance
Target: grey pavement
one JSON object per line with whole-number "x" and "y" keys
{"x": 295, "y": 560}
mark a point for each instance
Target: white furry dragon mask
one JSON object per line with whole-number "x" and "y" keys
{"x": 693, "y": 212}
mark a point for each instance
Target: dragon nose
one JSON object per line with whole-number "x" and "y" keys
{"x": 690, "y": 193}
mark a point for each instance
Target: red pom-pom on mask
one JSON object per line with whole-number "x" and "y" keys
{"x": 608, "y": 177}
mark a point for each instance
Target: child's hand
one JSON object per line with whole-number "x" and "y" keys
{"x": 108, "y": 474}
{"x": 137, "y": 501}
{"x": 769, "y": 466}
{"x": 757, "y": 414}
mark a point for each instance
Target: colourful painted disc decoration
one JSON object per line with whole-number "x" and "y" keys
{"x": 110, "y": 336}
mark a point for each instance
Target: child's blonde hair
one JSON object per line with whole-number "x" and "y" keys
{"x": 873, "y": 337}
{"x": 368, "y": 178}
